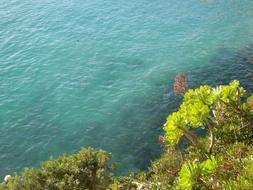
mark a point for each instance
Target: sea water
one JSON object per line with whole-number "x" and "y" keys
{"x": 99, "y": 73}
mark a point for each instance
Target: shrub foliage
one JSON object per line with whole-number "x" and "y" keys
{"x": 87, "y": 169}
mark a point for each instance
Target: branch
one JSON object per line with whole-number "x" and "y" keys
{"x": 212, "y": 138}
{"x": 237, "y": 110}
{"x": 191, "y": 136}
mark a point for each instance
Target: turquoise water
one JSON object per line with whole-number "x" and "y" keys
{"x": 99, "y": 73}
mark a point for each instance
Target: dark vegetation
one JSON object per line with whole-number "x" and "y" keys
{"x": 222, "y": 159}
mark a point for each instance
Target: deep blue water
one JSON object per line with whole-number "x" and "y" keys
{"x": 99, "y": 73}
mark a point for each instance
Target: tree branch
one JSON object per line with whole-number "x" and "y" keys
{"x": 212, "y": 137}
{"x": 191, "y": 136}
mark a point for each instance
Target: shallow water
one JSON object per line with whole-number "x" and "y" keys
{"x": 100, "y": 73}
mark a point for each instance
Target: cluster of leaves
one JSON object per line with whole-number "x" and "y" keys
{"x": 223, "y": 159}
{"x": 87, "y": 169}
{"x": 219, "y": 110}
{"x": 193, "y": 171}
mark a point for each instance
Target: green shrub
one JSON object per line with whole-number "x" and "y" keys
{"x": 87, "y": 169}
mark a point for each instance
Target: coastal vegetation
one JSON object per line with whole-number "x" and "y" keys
{"x": 220, "y": 158}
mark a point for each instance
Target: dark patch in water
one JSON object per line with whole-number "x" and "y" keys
{"x": 226, "y": 66}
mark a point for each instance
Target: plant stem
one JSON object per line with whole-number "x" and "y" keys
{"x": 191, "y": 136}
{"x": 209, "y": 123}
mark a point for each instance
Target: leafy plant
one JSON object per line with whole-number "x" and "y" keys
{"x": 193, "y": 171}
{"x": 87, "y": 169}
{"x": 215, "y": 109}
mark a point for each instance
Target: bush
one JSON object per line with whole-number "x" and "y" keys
{"x": 87, "y": 169}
